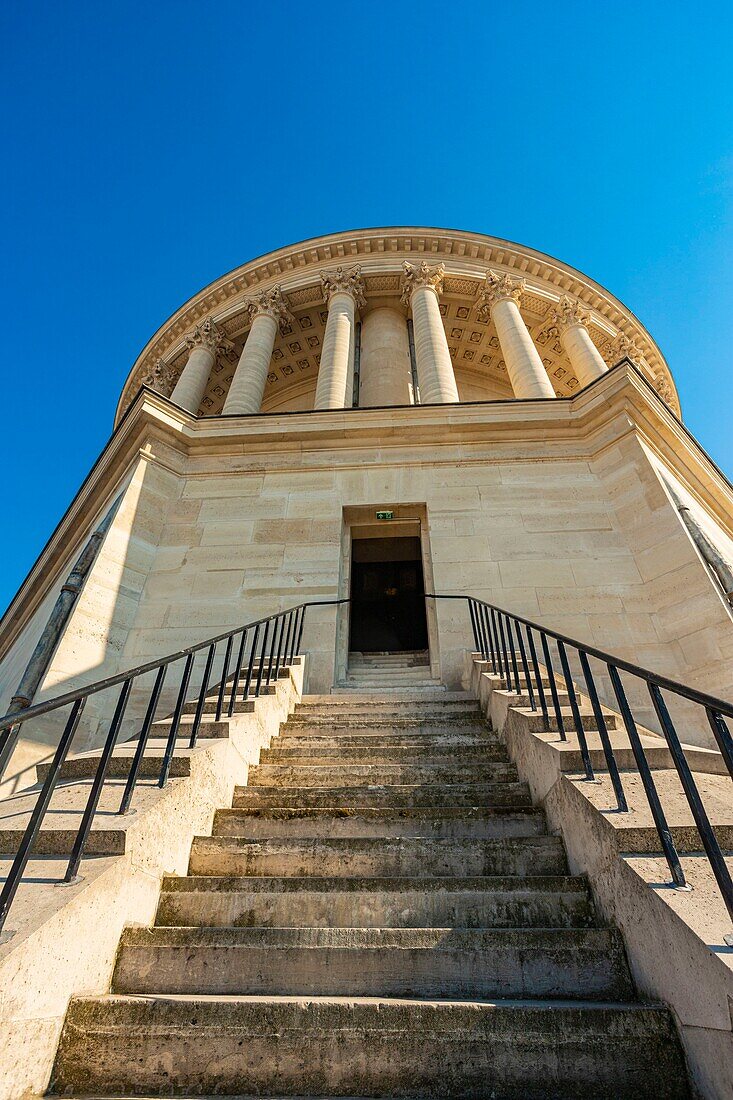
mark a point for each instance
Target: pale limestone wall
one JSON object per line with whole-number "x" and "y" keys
{"x": 474, "y": 387}
{"x": 570, "y": 543}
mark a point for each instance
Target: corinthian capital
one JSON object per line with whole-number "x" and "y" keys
{"x": 421, "y": 275}
{"x": 270, "y": 303}
{"x": 344, "y": 282}
{"x": 565, "y": 314}
{"x": 207, "y": 334}
{"x": 498, "y": 287}
{"x": 623, "y": 347}
{"x": 161, "y": 377}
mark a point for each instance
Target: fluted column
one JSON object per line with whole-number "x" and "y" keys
{"x": 420, "y": 289}
{"x": 343, "y": 291}
{"x": 569, "y": 321}
{"x": 500, "y": 300}
{"x": 267, "y": 310}
{"x": 204, "y": 342}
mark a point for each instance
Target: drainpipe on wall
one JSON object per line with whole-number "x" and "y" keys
{"x": 721, "y": 569}
{"x": 52, "y": 632}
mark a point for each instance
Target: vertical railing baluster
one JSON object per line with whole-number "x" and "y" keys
{"x": 595, "y": 703}
{"x": 300, "y": 629}
{"x": 575, "y": 710}
{"x": 97, "y": 783}
{"x": 38, "y": 813}
{"x": 538, "y": 679}
{"x": 143, "y": 739}
{"x": 699, "y": 813}
{"x": 721, "y": 733}
{"x": 224, "y": 678}
{"x": 261, "y": 662}
{"x": 286, "y": 650}
{"x": 474, "y": 625}
{"x": 490, "y": 656}
{"x": 702, "y": 821}
{"x": 647, "y": 779}
{"x": 525, "y": 666}
{"x": 513, "y": 653}
{"x": 280, "y": 643}
{"x": 250, "y": 664}
{"x": 175, "y": 723}
{"x": 559, "y": 716}
{"x": 277, "y": 629}
{"x": 202, "y": 697}
{"x": 495, "y": 633}
{"x": 237, "y": 675}
{"x": 507, "y": 670}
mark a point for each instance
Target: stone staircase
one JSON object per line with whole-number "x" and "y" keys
{"x": 389, "y": 672}
{"x": 381, "y": 913}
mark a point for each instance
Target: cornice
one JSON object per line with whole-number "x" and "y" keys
{"x": 467, "y": 258}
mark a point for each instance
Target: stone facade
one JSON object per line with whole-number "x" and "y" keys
{"x": 556, "y": 509}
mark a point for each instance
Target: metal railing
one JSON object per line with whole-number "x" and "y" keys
{"x": 252, "y": 658}
{"x": 509, "y": 644}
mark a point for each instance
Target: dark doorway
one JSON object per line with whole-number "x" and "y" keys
{"x": 387, "y": 596}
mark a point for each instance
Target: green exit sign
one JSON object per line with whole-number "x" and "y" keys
{"x": 385, "y": 515}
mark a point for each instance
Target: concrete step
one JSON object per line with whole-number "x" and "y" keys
{"x": 385, "y": 726}
{"x": 491, "y": 795}
{"x": 85, "y": 765}
{"x": 558, "y": 901}
{"x": 345, "y": 774}
{"x": 405, "y": 702}
{"x": 384, "y": 856}
{"x": 459, "y": 821}
{"x": 321, "y": 751}
{"x": 374, "y": 1046}
{"x": 569, "y": 963}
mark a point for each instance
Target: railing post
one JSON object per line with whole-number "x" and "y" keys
{"x": 300, "y": 630}
{"x": 559, "y": 717}
{"x": 39, "y": 811}
{"x": 495, "y": 632}
{"x": 180, "y": 701}
{"x": 507, "y": 670}
{"x": 618, "y": 789}
{"x": 143, "y": 739}
{"x": 513, "y": 653}
{"x": 100, "y": 775}
{"x": 202, "y": 697}
{"x": 575, "y": 711}
{"x": 704, "y": 828}
{"x": 472, "y": 612}
{"x": 525, "y": 666}
{"x": 647, "y": 779}
{"x": 224, "y": 678}
{"x": 250, "y": 665}
{"x": 721, "y": 733}
{"x": 261, "y": 661}
{"x": 538, "y": 679}
{"x": 490, "y": 656}
{"x": 237, "y": 674}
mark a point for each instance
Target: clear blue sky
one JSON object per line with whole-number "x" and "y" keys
{"x": 151, "y": 147}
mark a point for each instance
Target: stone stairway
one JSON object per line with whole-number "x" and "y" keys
{"x": 390, "y": 672}
{"x": 381, "y": 913}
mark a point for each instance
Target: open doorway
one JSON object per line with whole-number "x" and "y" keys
{"x": 387, "y": 596}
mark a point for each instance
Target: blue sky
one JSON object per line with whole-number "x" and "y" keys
{"x": 151, "y": 147}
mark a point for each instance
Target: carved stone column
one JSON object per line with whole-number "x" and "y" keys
{"x": 569, "y": 321}
{"x": 420, "y": 289}
{"x": 267, "y": 310}
{"x": 204, "y": 342}
{"x": 499, "y": 300}
{"x": 386, "y": 367}
{"x": 343, "y": 291}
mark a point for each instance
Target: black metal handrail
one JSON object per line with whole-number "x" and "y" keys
{"x": 494, "y": 631}
{"x": 259, "y": 648}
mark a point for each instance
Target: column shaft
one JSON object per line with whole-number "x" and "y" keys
{"x": 250, "y": 377}
{"x": 336, "y": 370}
{"x": 584, "y": 356}
{"x": 386, "y": 370}
{"x": 524, "y": 366}
{"x": 434, "y": 366}
{"x": 190, "y": 387}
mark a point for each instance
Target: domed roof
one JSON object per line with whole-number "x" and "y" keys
{"x": 380, "y": 253}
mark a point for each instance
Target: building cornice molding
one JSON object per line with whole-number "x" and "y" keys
{"x": 467, "y": 258}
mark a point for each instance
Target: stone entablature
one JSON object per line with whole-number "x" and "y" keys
{"x": 549, "y": 292}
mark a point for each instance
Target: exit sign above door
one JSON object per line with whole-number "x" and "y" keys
{"x": 385, "y": 515}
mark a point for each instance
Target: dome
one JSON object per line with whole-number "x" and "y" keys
{"x": 380, "y": 255}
